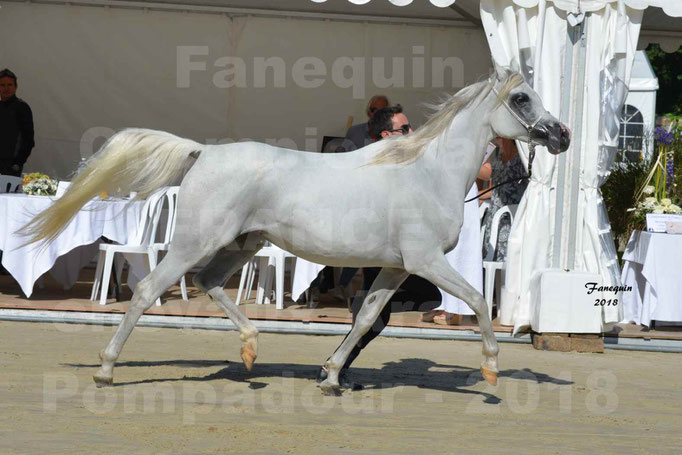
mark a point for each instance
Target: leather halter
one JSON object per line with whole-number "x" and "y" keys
{"x": 531, "y": 145}
{"x": 530, "y": 127}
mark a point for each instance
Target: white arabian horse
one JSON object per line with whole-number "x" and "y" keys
{"x": 395, "y": 204}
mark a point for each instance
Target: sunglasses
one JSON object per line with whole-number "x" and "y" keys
{"x": 403, "y": 129}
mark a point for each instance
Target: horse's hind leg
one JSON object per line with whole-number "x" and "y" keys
{"x": 212, "y": 278}
{"x": 168, "y": 272}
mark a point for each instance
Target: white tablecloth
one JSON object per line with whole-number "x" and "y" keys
{"x": 652, "y": 268}
{"x": 74, "y": 248}
{"x": 466, "y": 258}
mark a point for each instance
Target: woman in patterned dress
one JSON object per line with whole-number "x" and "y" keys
{"x": 504, "y": 164}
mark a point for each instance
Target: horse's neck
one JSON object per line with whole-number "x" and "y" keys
{"x": 457, "y": 160}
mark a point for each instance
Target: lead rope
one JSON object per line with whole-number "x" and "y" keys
{"x": 531, "y": 157}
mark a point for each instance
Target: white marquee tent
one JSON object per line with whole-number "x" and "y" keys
{"x": 88, "y": 68}
{"x": 640, "y": 106}
{"x": 91, "y": 66}
{"x": 578, "y": 54}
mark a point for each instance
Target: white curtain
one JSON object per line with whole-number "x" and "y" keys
{"x": 611, "y": 45}
{"x": 515, "y": 29}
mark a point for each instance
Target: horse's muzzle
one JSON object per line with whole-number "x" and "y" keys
{"x": 553, "y": 135}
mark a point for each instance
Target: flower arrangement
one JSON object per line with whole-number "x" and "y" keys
{"x": 652, "y": 205}
{"x": 659, "y": 192}
{"x": 27, "y": 178}
{"x": 38, "y": 184}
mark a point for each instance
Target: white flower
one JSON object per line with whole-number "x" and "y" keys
{"x": 41, "y": 187}
{"x": 659, "y": 209}
{"x": 666, "y": 202}
{"x": 672, "y": 208}
{"x": 650, "y": 200}
{"x": 649, "y": 189}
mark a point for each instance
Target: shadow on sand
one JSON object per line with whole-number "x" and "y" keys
{"x": 421, "y": 373}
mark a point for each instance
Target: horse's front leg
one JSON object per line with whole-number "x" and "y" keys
{"x": 382, "y": 289}
{"x": 440, "y": 273}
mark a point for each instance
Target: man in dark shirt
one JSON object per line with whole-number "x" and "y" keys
{"x": 16, "y": 127}
{"x": 358, "y": 136}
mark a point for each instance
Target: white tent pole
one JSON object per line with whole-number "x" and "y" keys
{"x": 566, "y": 88}
{"x": 573, "y": 182}
{"x": 568, "y": 169}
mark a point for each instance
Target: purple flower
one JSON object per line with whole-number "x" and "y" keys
{"x": 669, "y": 168}
{"x": 662, "y": 136}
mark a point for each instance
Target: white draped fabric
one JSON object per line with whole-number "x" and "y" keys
{"x": 467, "y": 257}
{"x": 611, "y": 46}
{"x": 304, "y": 274}
{"x": 519, "y": 31}
{"x": 74, "y": 248}
{"x": 512, "y": 34}
{"x": 651, "y": 269}
{"x": 671, "y": 7}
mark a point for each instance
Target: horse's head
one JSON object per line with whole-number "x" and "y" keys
{"x": 521, "y": 115}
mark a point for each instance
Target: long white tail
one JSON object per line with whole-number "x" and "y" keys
{"x": 132, "y": 160}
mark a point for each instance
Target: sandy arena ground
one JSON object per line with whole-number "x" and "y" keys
{"x": 185, "y": 392}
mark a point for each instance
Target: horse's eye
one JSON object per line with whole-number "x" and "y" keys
{"x": 520, "y": 98}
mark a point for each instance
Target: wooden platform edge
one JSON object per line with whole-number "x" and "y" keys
{"x": 565, "y": 342}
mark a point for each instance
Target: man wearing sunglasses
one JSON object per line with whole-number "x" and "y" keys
{"x": 388, "y": 121}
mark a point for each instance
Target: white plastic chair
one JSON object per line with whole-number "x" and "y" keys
{"x": 9, "y": 184}
{"x": 146, "y": 234}
{"x": 490, "y": 266}
{"x": 172, "y": 200}
{"x": 246, "y": 281}
{"x": 271, "y": 256}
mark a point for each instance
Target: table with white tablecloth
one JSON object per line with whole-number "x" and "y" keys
{"x": 466, "y": 258}
{"x": 652, "y": 268}
{"x": 75, "y": 247}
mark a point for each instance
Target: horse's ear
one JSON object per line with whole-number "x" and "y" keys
{"x": 500, "y": 71}
{"x": 514, "y": 65}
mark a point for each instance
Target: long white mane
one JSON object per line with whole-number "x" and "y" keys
{"x": 406, "y": 149}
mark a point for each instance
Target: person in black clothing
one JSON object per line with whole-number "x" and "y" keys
{"x": 16, "y": 127}
{"x": 358, "y": 135}
{"x": 415, "y": 292}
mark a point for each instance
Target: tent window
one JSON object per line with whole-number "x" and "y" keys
{"x": 632, "y": 137}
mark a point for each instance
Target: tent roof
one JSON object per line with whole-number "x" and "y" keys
{"x": 380, "y": 11}
{"x": 643, "y": 78}
{"x": 463, "y": 12}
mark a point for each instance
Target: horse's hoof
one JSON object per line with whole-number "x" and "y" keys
{"x": 248, "y": 356}
{"x": 329, "y": 389}
{"x": 489, "y": 375}
{"x": 103, "y": 381}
